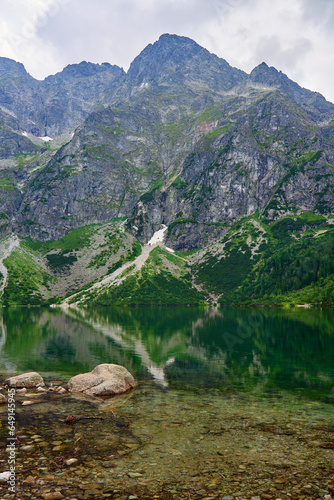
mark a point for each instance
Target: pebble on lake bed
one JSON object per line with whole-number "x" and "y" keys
{"x": 56, "y": 495}
{"x": 4, "y": 476}
{"x": 61, "y": 390}
{"x": 27, "y": 447}
{"x": 41, "y": 389}
{"x": 29, "y": 480}
{"x": 71, "y": 461}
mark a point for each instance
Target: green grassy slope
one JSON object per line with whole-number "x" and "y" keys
{"x": 41, "y": 272}
{"x": 163, "y": 280}
{"x": 29, "y": 281}
{"x": 288, "y": 262}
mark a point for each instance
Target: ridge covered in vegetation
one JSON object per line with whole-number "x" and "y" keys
{"x": 288, "y": 262}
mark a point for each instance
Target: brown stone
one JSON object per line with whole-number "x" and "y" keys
{"x": 104, "y": 380}
{"x": 55, "y": 495}
{"x": 3, "y": 399}
{"x": 29, "y": 480}
{"x": 21, "y": 391}
{"x": 59, "y": 448}
{"x": 30, "y": 379}
{"x": 279, "y": 480}
{"x": 41, "y": 389}
{"x": 61, "y": 390}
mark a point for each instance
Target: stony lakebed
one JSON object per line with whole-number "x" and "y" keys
{"x": 161, "y": 443}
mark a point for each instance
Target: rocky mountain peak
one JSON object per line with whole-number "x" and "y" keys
{"x": 12, "y": 68}
{"x": 267, "y": 75}
{"x": 313, "y": 102}
{"x": 177, "y": 59}
{"x": 61, "y": 102}
{"x": 84, "y": 70}
{"x": 168, "y": 49}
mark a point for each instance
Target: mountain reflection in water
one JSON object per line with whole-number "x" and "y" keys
{"x": 262, "y": 351}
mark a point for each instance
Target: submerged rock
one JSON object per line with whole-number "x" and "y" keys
{"x": 3, "y": 399}
{"x": 29, "y": 480}
{"x": 104, "y": 380}
{"x": 31, "y": 379}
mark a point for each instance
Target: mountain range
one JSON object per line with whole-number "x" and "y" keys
{"x": 237, "y": 167}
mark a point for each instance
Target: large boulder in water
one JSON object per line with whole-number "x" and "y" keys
{"x": 28, "y": 380}
{"x": 104, "y": 380}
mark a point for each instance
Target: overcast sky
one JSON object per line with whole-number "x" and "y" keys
{"x": 295, "y": 36}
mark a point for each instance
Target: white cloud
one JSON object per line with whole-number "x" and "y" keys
{"x": 295, "y": 36}
{"x": 19, "y": 38}
{"x": 116, "y": 31}
{"x": 287, "y": 34}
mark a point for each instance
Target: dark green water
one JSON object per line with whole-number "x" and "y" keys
{"x": 248, "y": 409}
{"x": 262, "y": 352}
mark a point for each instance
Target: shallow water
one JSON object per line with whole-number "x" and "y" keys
{"x": 232, "y": 402}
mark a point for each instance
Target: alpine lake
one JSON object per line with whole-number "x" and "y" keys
{"x": 233, "y": 403}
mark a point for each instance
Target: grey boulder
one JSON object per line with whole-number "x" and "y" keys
{"x": 29, "y": 380}
{"x": 104, "y": 380}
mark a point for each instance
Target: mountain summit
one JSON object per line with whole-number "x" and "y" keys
{"x": 174, "y": 60}
{"x": 313, "y": 102}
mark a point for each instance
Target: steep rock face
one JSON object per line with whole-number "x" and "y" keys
{"x": 69, "y": 96}
{"x": 13, "y": 143}
{"x": 10, "y": 201}
{"x": 98, "y": 176}
{"x": 270, "y": 157}
{"x": 58, "y": 104}
{"x": 19, "y": 94}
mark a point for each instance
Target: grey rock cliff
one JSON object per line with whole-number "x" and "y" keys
{"x": 61, "y": 102}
